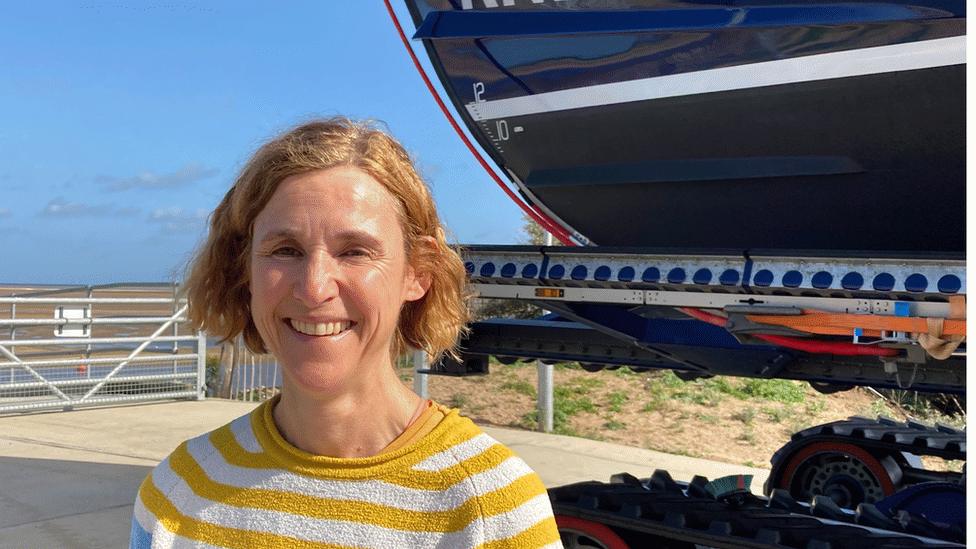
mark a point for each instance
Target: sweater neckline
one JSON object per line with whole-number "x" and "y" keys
{"x": 292, "y": 458}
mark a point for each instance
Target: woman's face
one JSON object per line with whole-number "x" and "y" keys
{"x": 329, "y": 275}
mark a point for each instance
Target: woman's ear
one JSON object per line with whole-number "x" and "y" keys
{"x": 418, "y": 274}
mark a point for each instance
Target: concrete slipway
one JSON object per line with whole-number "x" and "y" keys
{"x": 68, "y": 479}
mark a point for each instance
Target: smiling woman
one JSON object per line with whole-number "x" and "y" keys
{"x": 328, "y": 253}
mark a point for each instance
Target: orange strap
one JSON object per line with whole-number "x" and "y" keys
{"x": 844, "y": 324}
{"x": 957, "y": 307}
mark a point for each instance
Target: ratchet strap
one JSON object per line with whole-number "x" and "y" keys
{"x": 938, "y": 336}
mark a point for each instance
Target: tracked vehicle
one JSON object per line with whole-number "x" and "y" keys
{"x": 756, "y": 189}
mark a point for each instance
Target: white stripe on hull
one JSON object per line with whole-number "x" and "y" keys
{"x": 842, "y": 64}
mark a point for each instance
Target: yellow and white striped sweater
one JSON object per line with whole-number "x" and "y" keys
{"x": 243, "y": 485}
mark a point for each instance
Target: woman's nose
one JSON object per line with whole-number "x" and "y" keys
{"x": 317, "y": 284}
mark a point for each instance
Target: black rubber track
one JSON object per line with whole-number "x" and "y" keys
{"x": 649, "y": 510}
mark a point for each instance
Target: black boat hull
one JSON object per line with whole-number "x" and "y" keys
{"x": 627, "y": 151}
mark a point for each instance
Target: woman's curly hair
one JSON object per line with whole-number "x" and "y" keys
{"x": 218, "y": 287}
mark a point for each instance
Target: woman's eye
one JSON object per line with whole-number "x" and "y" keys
{"x": 286, "y": 251}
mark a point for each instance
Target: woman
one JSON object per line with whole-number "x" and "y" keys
{"x": 328, "y": 253}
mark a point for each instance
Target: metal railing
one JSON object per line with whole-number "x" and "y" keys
{"x": 250, "y": 377}
{"x": 253, "y": 378}
{"x": 73, "y": 346}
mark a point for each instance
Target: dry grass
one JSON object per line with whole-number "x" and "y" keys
{"x": 725, "y": 419}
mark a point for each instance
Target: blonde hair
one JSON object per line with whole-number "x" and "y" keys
{"x": 218, "y": 283}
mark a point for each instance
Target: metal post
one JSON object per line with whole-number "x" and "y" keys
{"x": 228, "y": 359}
{"x": 545, "y": 401}
{"x": 201, "y": 365}
{"x": 176, "y": 325}
{"x": 88, "y": 348}
{"x": 13, "y": 335}
{"x": 419, "y": 379}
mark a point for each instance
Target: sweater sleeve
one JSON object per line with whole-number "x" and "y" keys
{"x": 518, "y": 513}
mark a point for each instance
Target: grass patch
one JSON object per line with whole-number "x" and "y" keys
{"x": 614, "y": 425}
{"x": 521, "y": 387}
{"x": 616, "y": 400}
{"x": 656, "y": 404}
{"x": 777, "y": 414}
{"x": 815, "y": 407}
{"x": 569, "y": 401}
{"x": 745, "y": 415}
{"x": 669, "y": 379}
{"x": 748, "y": 435}
{"x": 458, "y": 400}
{"x": 778, "y": 390}
{"x": 710, "y": 391}
{"x": 877, "y": 408}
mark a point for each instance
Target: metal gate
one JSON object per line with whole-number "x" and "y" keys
{"x": 67, "y": 347}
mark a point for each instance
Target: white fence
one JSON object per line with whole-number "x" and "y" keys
{"x": 67, "y": 347}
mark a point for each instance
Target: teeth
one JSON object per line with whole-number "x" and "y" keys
{"x": 320, "y": 328}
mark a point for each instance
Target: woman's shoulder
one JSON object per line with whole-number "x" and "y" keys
{"x": 467, "y": 449}
{"x": 196, "y": 455}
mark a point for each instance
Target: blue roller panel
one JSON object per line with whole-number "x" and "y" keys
{"x": 763, "y": 278}
{"x": 469, "y": 267}
{"x": 488, "y": 269}
{"x": 730, "y": 277}
{"x": 677, "y": 275}
{"x": 529, "y": 271}
{"x": 579, "y": 273}
{"x": 949, "y": 284}
{"x": 626, "y": 274}
{"x": 651, "y": 274}
{"x": 508, "y": 270}
{"x": 916, "y": 283}
{"x": 884, "y": 282}
{"x": 822, "y": 280}
{"x": 702, "y": 276}
{"x": 556, "y": 272}
{"x": 602, "y": 273}
{"x": 852, "y": 281}
{"x": 792, "y": 279}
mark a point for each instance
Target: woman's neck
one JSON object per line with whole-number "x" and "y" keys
{"x": 358, "y": 422}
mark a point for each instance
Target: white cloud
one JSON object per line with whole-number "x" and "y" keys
{"x": 59, "y": 207}
{"x": 175, "y": 219}
{"x": 184, "y": 176}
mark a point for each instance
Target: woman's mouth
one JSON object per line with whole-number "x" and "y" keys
{"x": 320, "y": 328}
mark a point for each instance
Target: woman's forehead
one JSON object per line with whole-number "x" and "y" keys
{"x": 343, "y": 199}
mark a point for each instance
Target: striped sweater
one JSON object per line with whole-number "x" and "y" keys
{"x": 243, "y": 485}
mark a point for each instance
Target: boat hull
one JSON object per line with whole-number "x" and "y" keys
{"x": 833, "y": 136}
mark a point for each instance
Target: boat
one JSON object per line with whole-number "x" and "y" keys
{"x": 833, "y": 128}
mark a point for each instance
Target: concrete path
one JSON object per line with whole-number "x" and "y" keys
{"x": 68, "y": 479}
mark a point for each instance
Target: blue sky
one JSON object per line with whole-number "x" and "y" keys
{"x": 125, "y": 122}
